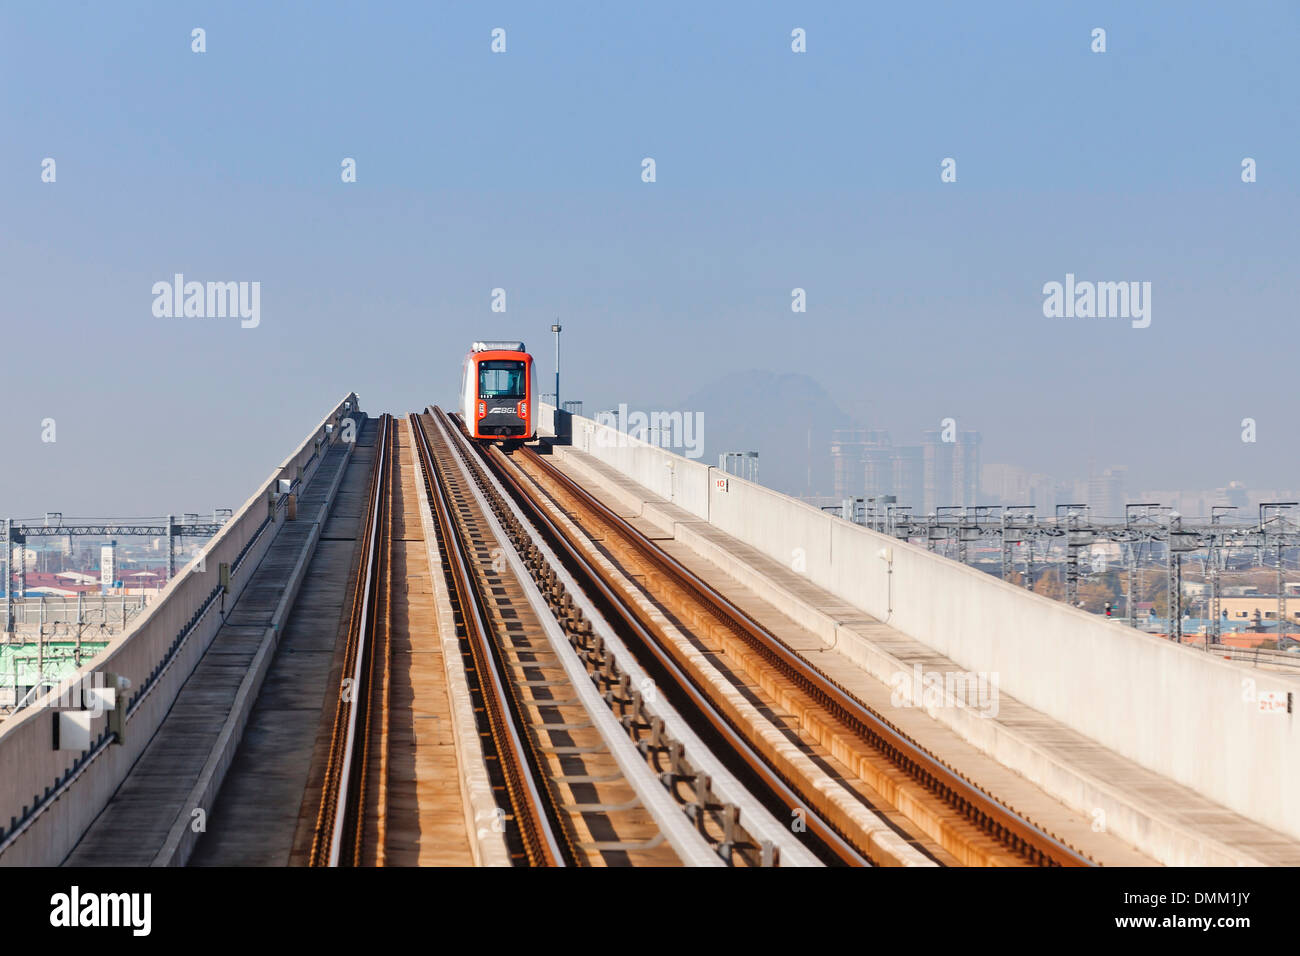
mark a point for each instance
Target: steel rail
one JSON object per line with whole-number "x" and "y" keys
{"x": 360, "y": 692}
{"x": 378, "y": 672}
{"x": 540, "y": 842}
{"x": 982, "y": 808}
{"x": 332, "y": 814}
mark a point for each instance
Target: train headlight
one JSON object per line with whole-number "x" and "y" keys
{"x": 522, "y": 409}
{"x": 482, "y": 409}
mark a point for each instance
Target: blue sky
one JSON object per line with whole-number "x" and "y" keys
{"x": 522, "y": 171}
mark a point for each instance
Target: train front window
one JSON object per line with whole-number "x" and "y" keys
{"x": 497, "y": 379}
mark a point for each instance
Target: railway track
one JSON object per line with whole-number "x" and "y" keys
{"x": 355, "y": 741}
{"x": 628, "y": 713}
{"x": 588, "y": 768}
{"x": 933, "y": 810}
{"x": 594, "y": 769}
{"x": 391, "y": 792}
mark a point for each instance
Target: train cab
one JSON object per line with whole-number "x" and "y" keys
{"x": 498, "y": 389}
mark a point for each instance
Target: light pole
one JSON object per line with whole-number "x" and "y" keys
{"x": 557, "y": 329}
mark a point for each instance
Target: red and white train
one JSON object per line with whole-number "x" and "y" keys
{"x": 498, "y": 391}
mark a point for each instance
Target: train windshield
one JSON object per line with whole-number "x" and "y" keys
{"x": 500, "y": 379}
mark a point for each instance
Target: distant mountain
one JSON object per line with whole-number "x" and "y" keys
{"x": 787, "y": 419}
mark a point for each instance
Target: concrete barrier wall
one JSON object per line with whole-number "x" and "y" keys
{"x": 34, "y": 771}
{"x": 1177, "y": 711}
{"x": 182, "y": 838}
{"x": 683, "y": 482}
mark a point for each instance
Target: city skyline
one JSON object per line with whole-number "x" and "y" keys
{"x": 867, "y": 463}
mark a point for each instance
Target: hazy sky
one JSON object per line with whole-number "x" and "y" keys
{"x": 522, "y": 170}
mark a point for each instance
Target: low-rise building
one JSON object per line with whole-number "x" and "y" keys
{"x": 1250, "y": 608}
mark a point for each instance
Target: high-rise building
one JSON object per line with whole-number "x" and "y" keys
{"x": 1105, "y": 497}
{"x": 936, "y": 457}
{"x": 859, "y": 458}
{"x": 952, "y": 469}
{"x": 1234, "y": 495}
{"x": 846, "y": 460}
{"x": 936, "y": 472}
{"x": 907, "y": 472}
{"x": 1004, "y": 484}
{"x": 877, "y": 466}
{"x": 1043, "y": 493}
{"x": 966, "y": 468}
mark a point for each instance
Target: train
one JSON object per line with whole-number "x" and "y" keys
{"x": 498, "y": 392}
